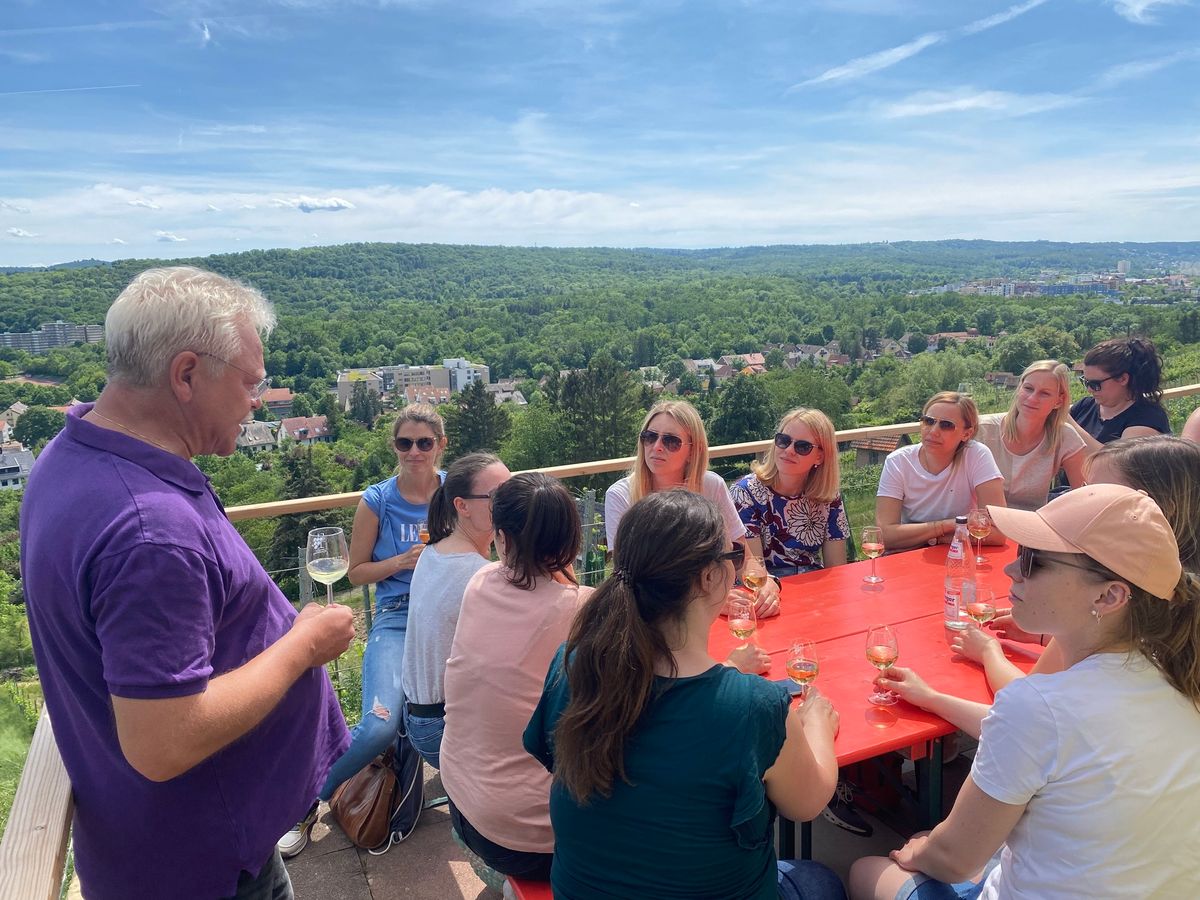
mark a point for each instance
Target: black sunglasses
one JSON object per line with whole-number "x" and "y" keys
{"x": 491, "y": 496}
{"x": 1029, "y": 560}
{"x": 424, "y": 444}
{"x": 737, "y": 556}
{"x": 783, "y": 441}
{"x": 673, "y": 442}
{"x": 943, "y": 424}
{"x": 1094, "y": 384}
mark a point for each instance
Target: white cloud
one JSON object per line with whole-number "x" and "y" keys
{"x": 929, "y": 103}
{"x": 865, "y": 65}
{"x": 1141, "y": 12}
{"x": 1131, "y": 71}
{"x": 204, "y": 34}
{"x": 21, "y": 233}
{"x": 118, "y": 242}
{"x": 211, "y": 208}
{"x": 168, "y": 237}
{"x": 1000, "y": 18}
{"x": 145, "y": 204}
{"x": 315, "y": 204}
{"x": 12, "y": 207}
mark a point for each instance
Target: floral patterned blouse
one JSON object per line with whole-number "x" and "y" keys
{"x": 793, "y": 529}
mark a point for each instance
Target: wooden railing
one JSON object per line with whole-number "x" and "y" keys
{"x": 35, "y": 841}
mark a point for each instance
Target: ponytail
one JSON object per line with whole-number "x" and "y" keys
{"x": 459, "y": 481}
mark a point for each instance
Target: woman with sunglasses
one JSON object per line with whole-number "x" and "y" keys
{"x": 384, "y": 548}
{"x": 791, "y": 503}
{"x": 667, "y": 767}
{"x": 1085, "y": 779}
{"x": 925, "y": 485}
{"x": 1122, "y": 377}
{"x": 460, "y": 540}
{"x": 1033, "y": 440}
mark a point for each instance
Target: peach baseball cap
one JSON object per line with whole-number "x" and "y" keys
{"x": 1118, "y": 527}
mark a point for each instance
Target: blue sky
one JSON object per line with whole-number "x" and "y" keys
{"x": 187, "y": 127}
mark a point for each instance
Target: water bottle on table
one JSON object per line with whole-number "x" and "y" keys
{"x": 960, "y": 578}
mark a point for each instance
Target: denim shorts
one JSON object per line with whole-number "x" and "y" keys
{"x": 922, "y": 887}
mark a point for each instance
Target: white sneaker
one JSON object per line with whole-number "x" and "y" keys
{"x": 296, "y": 840}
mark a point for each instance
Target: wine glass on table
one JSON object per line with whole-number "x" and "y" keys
{"x": 802, "y": 665}
{"x": 754, "y": 574}
{"x": 983, "y": 608}
{"x": 872, "y": 548}
{"x": 740, "y": 610}
{"x": 882, "y": 652}
{"x": 326, "y": 557}
{"x": 979, "y": 526}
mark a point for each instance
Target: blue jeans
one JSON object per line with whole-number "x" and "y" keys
{"x": 271, "y": 883}
{"x": 382, "y": 697}
{"x": 803, "y": 879}
{"x": 426, "y": 735}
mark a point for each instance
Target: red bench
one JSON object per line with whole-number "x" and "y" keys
{"x": 525, "y": 889}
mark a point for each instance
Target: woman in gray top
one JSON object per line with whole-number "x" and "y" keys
{"x": 460, "y": 538}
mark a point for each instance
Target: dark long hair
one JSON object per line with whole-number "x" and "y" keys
{"x": 460, "y": 481}
{"x": 541, "y": 527}
{"x": 664, "y": 542}
{"x": 1136, "y": 357}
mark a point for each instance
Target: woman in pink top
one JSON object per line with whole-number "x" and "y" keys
{"x": 515, "y": 614}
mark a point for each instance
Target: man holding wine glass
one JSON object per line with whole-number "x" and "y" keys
{"x": 175, "y": 671}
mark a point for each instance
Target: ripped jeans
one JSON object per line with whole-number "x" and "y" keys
{"x": 383, "y": 696}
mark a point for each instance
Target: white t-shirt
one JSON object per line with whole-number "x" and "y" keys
{"x": 926, "y": 497}
{"x": 1027, "y": 476}
{"x": 1104, "y": 755}
{"x": 616, "y": 501}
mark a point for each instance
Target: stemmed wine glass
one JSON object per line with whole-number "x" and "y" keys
{"x": 979, "y": 526}
{"x": 326, "y": 557}
{"x": 983, "y": 608}
{"x": 872, "y": 547}
{"x": 742, "y": 622}
{"x": 754, "y": 575}
{"x": 882, "y": 652}
{"x": 802, "y": 665}
{"x": 423, "y": 532}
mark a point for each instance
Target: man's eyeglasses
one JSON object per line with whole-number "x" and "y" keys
{"x": 1030, "y": 559}
{"x": 673, "y": 442}
{"x": 424, "y": 444}
{"x": 783, "y": 441}
{"x": 943, "y": 424}
{"x": 259, "y": 388}
{"x": 1094, "y": 384}
{"x": 737, "y": 556}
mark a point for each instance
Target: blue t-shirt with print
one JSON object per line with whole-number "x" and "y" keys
{"x": 398, "y": 532}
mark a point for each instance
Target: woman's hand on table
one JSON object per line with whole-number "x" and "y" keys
{"x": 817, "y": 712}
{"x": 1004, "y": 627}
{"x": 975, "y": 644}
{"x": 767, "y": 601}
{"x": 908, "y": 684}
{"x": 749, "y": 659}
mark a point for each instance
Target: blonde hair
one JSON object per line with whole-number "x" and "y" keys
{"x": 824, "y": 480}
{"x": 421, "y": 414}
{"x": 686, "y": 417}
{"x": 1057, "y": 418}
{"x": 966, "y": 408}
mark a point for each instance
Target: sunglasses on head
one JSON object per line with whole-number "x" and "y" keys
{"x": 737, "y": 556}
{"x": 424, "y": 444}
{"x": 1030, "y": 559}
{"x": 783, "y": 441}
{"x": 943, "y": 424}
{"x": 673, "y": 442}
{"x": 1094, "y": 384}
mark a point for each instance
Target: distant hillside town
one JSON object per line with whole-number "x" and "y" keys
{"x": 51, "y": 335}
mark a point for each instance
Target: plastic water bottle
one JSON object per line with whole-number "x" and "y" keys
{"x": 960, "y": 577}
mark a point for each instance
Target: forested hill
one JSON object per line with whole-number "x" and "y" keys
{"x": 524, "y": 309}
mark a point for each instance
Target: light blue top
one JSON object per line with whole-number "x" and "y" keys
{"x": 398, "y": 521}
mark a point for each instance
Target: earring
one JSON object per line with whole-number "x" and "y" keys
{"x": 1096, "y": 615}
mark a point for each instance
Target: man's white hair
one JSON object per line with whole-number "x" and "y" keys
{"x": 168, "y": 310}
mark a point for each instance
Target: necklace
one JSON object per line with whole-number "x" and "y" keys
{"x": 136, "y": 434}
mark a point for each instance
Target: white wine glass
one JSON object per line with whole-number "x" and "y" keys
{"x": 983, "y": 608}
{"x": 326, "y": 557}
{"x": 803, "y": 665}
{"x": 754, "y": 575}
{"x": 872, "y": 548}
{"x": 882, "y": 652}
{"x": 740, "y": 609}
{"x": 979, "y": 526}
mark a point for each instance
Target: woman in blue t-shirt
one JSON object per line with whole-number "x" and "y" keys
{"x": 668, "y": 767}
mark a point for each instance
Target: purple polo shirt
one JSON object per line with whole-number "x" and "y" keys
{"x": 138, "y": 586}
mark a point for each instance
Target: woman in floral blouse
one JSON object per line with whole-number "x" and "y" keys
{"x": 791, "y": 502}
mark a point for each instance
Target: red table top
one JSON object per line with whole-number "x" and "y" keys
{"x": 834, "y": 608}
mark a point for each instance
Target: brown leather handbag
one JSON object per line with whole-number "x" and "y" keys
{"x": 363, "y": 805}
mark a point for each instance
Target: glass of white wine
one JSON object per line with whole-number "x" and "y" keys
{"x": 803, "y": 666}
{"x": 326, "y": 557}
{"x": 983, "y": 608}
{"x": 754, "y": 575}
{"x": 882, "y": 652}
{"x": 740, "y": 609}
{"x": 979, "y": 526}
{"x": 872, "y": 548}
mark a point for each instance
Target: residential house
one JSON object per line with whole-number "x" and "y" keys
{"x": 871, "y": 451}
{"x": 305, "y": 430}
{"x": 278, "y": 402}
{"x": 13, "y": 414}
{"x": 507, "y": 392}
{"x": 434, "y": 396}
{"x": 347, "y": 379}
{"x": 14, "y": 469}
{"x": 1002, "y": 379}
{"x": 256, "y": 436}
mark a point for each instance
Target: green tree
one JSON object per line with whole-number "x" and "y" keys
{"x": 365, "y": 405}
{"x": 743, "y": 412}
{"x": 536, "y": 439}
{"x": 600, "y": 410}
{"x": 774, "y": 360}
{"x": 301, "y": 478}
{"x": 917, "y": 343}
{"x": 301, "y": 405}
{"x": 38, "y": 425}
{"x": 475, "y": 421}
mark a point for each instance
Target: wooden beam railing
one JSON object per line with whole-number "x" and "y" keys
{"x": 34, "y": 845}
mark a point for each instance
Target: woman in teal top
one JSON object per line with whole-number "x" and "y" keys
{"x": 668, "y": 766}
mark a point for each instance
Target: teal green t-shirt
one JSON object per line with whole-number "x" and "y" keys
{"x": 695, "y": 820}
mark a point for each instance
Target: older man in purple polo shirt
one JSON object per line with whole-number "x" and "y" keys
{"x": 189, "y": 700}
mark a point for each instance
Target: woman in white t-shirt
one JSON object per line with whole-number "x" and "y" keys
{"x": 1085, "y": 780}
{"x": 924, "y": 486}
{"x": 1034, "y": 439}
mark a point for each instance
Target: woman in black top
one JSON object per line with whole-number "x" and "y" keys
{"x": 1124, "y": 399}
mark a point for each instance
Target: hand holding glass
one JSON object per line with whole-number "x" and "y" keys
{"x": 882, "y": 652}
{"x": 754, "y": 576}
{"x": 979, "y": 526}
{"x": 326, "y": 557}
{"x": 802, "y": 665}
{"x": 740, "y": 608}
{"x": 872, "y": 547}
